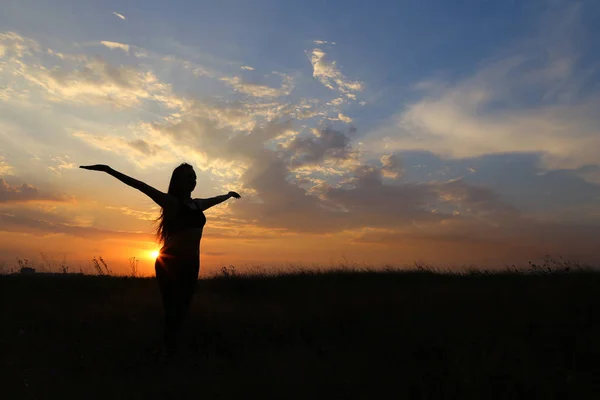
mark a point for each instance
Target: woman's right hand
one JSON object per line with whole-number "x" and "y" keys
{"x": 96, "y": 167}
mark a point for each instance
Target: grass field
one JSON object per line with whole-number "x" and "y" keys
{"x": 414, "y": 335}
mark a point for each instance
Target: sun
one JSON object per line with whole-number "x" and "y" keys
{"x": 153, "y": 254}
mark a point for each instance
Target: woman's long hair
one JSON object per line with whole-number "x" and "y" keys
{"x": 163, "y": 230}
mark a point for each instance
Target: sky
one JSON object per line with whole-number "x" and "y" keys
{"x": 458, "y": 134}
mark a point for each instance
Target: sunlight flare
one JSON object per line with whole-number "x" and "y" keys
{"x": 153, "y": 254}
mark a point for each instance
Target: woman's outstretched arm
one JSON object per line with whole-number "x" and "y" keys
{"x": 213, "y": 201}
{"x": 164, "y": 200}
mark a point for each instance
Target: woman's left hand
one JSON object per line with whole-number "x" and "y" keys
{"x": 96, "y": 167}
{"x": 234, "y": 194}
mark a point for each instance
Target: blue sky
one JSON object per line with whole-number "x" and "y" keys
{"x": 380, "y": 132}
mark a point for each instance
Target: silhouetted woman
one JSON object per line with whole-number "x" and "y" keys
{"x": 180, "y": 227}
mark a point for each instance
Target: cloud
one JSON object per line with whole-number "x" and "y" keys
{"x": 118, "y": 15}
{"x": 202, "y": 71}
{"x": 143, "y": 215}
{"x": 392, "y": 166}
{"x": 319, "y": 42}
{"x": 288, "y": 173}
{"x": 5, "y": 168}
{"x": 518, "y": 177}
{"x": 330, "y": 76}
{"x": 195, "y": 68}
{"x": 61, "y": 164}
{"x": 258, "y": 90}
{"x": 90, "y": 81}
{"x": 18, "y": 223}
{"x": 263, "y": 169}
{"x": 344, "y": 118}
{"x": 70, "y": 57}
{"x": 520, "y": 240}
{"x": 25, "y": 193}
{"x": 96, "y": 81}
{"x": 286, "y": 183}
{"x": 144, "y": 147}
{"x": 472, "y": 200}
{"x": 363, "y": 200}
{"x": 324, "y": 144}
{"x": 115, "y": 45}
{"x": 14, "y": 46}
{"x": 588, "y": 173}
{"x": 79, "y": 78}
{"x": 247, "y": 68}
{"x": 153, "y": 154}
{"x": 528, "y": 99}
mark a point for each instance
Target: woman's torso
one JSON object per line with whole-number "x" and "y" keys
{"x": 185, "y": 228}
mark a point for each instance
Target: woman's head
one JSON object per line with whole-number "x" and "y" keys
{"x": 183, "y": 181}
{"x": 181, "y": 185}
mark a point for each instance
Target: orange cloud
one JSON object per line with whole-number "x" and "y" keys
{"x": 26, "y": 193}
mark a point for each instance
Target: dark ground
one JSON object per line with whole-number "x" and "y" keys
{"x": 414, "y": 335}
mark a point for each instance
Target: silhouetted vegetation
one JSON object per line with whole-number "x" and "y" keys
{"x": 133, "y": 265}
{"x": 309, "y": 334}
{"x": 100, "y": 266}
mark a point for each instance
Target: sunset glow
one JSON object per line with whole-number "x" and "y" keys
{"x": 154, "y": 254}
{"x": 436, "y": 133}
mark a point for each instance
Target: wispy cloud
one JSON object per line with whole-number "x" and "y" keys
{"x": 5, "y": 168}
{"x": 24, "y": 223}
{"x": 115, "y": 45}
{"x": 529, "y": 99}
{"x": 143, "y": 215}
{"x": 16, "y": 46}
{"x": 327, "y": 72}
{"x": 25, "y": 193}
{"x": 61, "y": 164}
{"x": 391, "y": 166}
{"x": 138, "y": 151}
{"x": 258, "y": 90}
{"x": 344, "y": 118}
{"x": 90, "y": 80}
{"x": 119, "y": 15}
{"x": 247, "y": 68}
{"x": 319, "y": 42}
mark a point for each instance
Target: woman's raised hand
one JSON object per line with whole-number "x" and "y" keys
{"x": 96, "y": 167}
{"x": 234, "y": 194}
